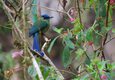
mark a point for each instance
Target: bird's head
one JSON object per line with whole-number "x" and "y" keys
{"x": 45, "y": 16}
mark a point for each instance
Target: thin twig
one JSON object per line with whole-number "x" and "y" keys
{"x": 110, "y": 40}
{"x": 6, "y": 27}
{"x": 98, "y": 72}
{"x": 104, "y": 41}
{"x": 36, "y": 66}
{"x": 22, "y": 38}
{"x": 79, "y": 11}
{"x": 44, "y": 45}
{"x": 23, "y": 17}
{"x": 12, "y": 11}
{"x": 48, "y": 59}
{"x": 53, "y": 9}
{"x": 107, "y": 13}
{"x": 12, "y": 20}
{"x": 45, "y": 57}
{"x": 56, "y": 11}
{"x": 70, "y": 72}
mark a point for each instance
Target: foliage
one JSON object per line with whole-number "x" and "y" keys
{"x": 76, "y": 41}
{"x": 6, "y": 28}
{"x": 6, "y": 62}
{"x": 48, "y": 72}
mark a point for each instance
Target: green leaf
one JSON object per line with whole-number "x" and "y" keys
{"x": 102, "y": 8}
{"x": 109, "y": 76}
{"x": 8, "y": 60}
{"x": 81, "y": 39}
{"x": 66, "y": 56}
{"x": 69, "y": 34}
{"x": 86, "y": 77}
{"x": 58, "y": 30}
{"x": 77, "y": 26}
{"x": 113, "y": 65}
{"x": 31, "y": 71}
{"x": 101, "y": 65}
{"x": 47, "y": 72}
{"x": 113, "y": 30}
{"x": 104, "y": 30}
{"x": 89, "y": 35}
{"x": 79, "y": 53}
{"x": 52, "y": 43}
{"x": 69, "y": 43}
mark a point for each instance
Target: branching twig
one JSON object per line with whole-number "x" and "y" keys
{"x": 104, "y": 41}
{"x": 98, "y": 72}
{"x": 36, "y": 66}
{"x": 12, "y": 20}
{"x": 39, "y": 9}
{"x": 105, "y": 38}
{"x": 110, "y": 40}
{"x": 45, "y": 57}
{"x": 12, "y": 11}
{"x": 44, "y": 45}
{"x": 52, "y": 9}
{"x": 23, "y": 39}
{"x": 79, "y": 11}
{"x": 23, "y": 17}
{"x": 50, "y": 62}
{"x": 70, "y": 72}
{"x": 57, "y": 11}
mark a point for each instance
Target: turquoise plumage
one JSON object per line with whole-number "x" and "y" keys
{"x": 39, "y": 25}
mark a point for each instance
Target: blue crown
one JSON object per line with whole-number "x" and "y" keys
{"x": 45, "y": 16}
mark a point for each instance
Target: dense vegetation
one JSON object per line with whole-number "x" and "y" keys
{"x": 83, "y": 45}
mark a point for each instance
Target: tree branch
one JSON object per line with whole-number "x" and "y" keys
{"x": 79, "y": 11}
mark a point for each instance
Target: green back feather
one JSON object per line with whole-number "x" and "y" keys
{"x": 34, "y": 11}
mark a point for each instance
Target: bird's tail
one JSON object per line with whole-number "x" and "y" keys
{"x": 36, "y": 44}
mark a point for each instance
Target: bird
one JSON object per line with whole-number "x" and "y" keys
{"x": 40, "y": 26}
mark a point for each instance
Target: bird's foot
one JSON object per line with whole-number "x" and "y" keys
{"x": 41, "y": 53}
{"x": 46, "y": 39}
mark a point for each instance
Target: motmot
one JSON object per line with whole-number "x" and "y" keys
{"x": 40, "y": 26}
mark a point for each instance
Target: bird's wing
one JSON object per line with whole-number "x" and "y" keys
{"x": 43, "y": 24}
{"x": 39, "y": 25}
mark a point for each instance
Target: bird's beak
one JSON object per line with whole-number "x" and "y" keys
{"x": 51, "y": 17}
